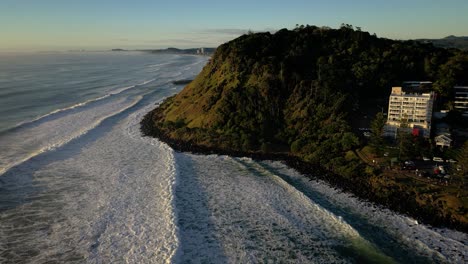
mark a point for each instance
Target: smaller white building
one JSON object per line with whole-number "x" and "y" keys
{"x": 443, "y": 140}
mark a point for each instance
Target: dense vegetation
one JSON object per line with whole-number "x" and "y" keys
{"x": 295, "y": 92}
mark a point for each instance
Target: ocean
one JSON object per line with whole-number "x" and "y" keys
{"x": 80, "y": 184}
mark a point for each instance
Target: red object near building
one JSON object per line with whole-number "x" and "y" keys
{"x": 416, "y": 132}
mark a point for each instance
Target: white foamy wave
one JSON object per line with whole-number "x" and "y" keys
{"x": 113, "y": 201}
{"x": 158, "y": 65}
{"x": 106, "y": 196}
{"x": 397, "y": 232}
{"x": 232, "y": 211}
{"x": 192, "y": 66}
{"x": 171, "y": 75}
{"x": 20, "y": 147}
{"x": 137, "y": 205}
{"x": 111, "y": 93}
{"x": 236, "y": 210}
{"x": 332, "y": 223}
{"x": 123, "y": 89}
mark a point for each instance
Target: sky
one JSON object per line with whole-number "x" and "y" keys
{"x": 46, "y": 25}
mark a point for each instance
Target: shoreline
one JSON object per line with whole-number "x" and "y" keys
{"x": 359, "y": 187}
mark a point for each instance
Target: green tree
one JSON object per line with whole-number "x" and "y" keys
{"x": 461, "y": 172}
{"x": 377, "y": 127}
{"x": 349, "y": 141}
{"x": 405, "y": 145}
{"x": 452, "y": 73}
{"x": 405, "y": 139}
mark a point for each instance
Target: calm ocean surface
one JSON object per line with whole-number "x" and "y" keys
{"x": 79, "y": 184}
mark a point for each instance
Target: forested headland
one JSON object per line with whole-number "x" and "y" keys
{"x": 296, "y": 93}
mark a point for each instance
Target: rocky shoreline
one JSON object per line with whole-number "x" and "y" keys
{"x": 398, "y": 201}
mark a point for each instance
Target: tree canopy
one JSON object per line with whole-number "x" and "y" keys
{"x": 292, "y": 91}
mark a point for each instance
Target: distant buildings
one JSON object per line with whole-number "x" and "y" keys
{"x": 410, "y": 109}
{"x": 461, "y": 99}
{"x": 201, "y": 51}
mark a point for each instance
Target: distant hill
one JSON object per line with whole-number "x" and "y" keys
{"x": 448, "y": 42}
{"x": 207, "y": 51}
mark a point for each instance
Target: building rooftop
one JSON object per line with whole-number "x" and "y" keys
{"x": 417, "y": 87}
{"x": 410, "y": 91}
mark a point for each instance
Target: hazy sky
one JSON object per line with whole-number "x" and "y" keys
{"x": 105, "y": 24}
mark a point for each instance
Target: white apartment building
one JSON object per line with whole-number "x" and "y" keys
{"x": 411, "y": 105}
{"x": 461, "y": 99}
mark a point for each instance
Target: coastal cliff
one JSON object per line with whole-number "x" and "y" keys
{"x": 294, "y": 96}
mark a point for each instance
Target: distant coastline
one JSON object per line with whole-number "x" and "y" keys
{"x": 190, "y": 51}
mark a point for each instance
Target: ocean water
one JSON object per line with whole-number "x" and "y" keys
{"x": 79, "y": 184}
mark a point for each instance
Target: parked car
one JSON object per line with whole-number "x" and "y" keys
{"x": 408, "y": 165}
{"x": 367, "y": 134}
{"x": 426, "y": 159}
{"x": 442, "y": 170}
{"x": 438, "y": 159}
{"x": 451, "y": 161}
